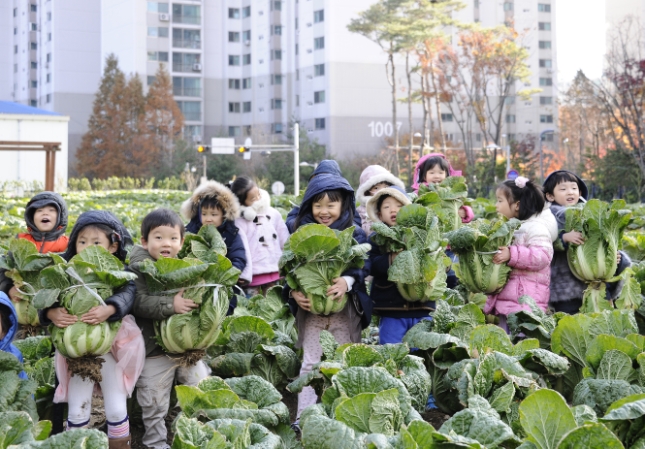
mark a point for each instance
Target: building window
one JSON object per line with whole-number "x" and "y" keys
{"x": 49, "y": 16}
{"x": 49, "y": 37}
{"x": 34, "y": 65}
{"x": 234, "y": 108}
{"x": 185, "y": 38}
{"x": 276, "y": 128}
{"x": 234, "y": 131}
{"x": 246, "y": 36}
{"x": 15, "y": 49}
{"x": 546, "y": 119}
{"x": 186, "y": 87}
{"x": 545, "y": 45}
{"x": 34, "y": 27}
{"x": 192, "y": 110}
{"x": 546, "y": 63}
{"x": 186, "y": 62}
{"x": 276, "y": 55}
{"x": 246, "y": 59}
{"x": 15, "y": 12}
{"x": 544, "y": 26}
{"x": 276, "y": 80}
{"x": 151, "y": 80}
{"x": 478, "y": 137}
{"x": 15, "y": 68}
{"x": 234, "y": 83}
{"x": 319, "y": 70}
{"x": 509, "y": 100}
{"x": 510, "y": 118}
{"x": 276, "y": 104}
{"x": 233, "y": 13}
{"x": 49, "y": 77}
{"x": 34, "y": 84}
{"x": 34, "y": 8}
{"x": 297, "y": 100}
{"x": 296, "y": 49}
{"x": 546, "y": 100}
{"x": 246, "y": 106}
{"x": 33, "y": 103}
{"x": 508, "y": 6}
{"x": 297, "y": 75}
{"x": 320, "y": 123}
{"x": 157, "y": 7}
{"x": 446, "y": 117}
{"x": 546, "y": 81}
{"x": 157, "y": 31}
{"x": 190, "y": 14}
{"x": 233, "y": 60}
{"x": 319, "y": 97}
{"x": 158, "y": 56}
{"x": 319, "y": 43}
{"x": 246, "y": 83}
{"x": 15, "y": 31}
{"x": 49, "y": 57}
{"x": 543, "y": 7}
{"x": 319, "y": 16}
{"x": 246, "y": 12}
{"x": 33, "y": 46}
{"x": 48, "y": 98}
{"x": 276, "y": 5}
{"x": 276, "y": 30}
{"x": 233, "y": 36}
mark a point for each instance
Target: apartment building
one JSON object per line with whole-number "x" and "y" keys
{"x": 245, "y": 68}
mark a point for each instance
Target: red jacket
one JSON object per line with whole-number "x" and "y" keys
{"x": 57, "y": 246}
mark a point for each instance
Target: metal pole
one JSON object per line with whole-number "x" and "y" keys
{"x": 205, "y": 168}
{"x": 546, "y": 131}
{"x": 507, "y": 147}
{"x": 296, "y": 159}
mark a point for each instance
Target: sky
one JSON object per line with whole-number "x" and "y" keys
{"x": 580, "y": 37}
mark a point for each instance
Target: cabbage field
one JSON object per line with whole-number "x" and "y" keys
{"x": 557, "y": 381}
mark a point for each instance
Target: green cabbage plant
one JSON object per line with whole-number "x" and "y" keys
{"x": 602, "y": 225}
{"x": 419, "y": 268}
{"x": 445, "y": 200}
{"x": 23, "y": 264}
{"x": 313, "y": 256}
{"x": 476, "y": 244}
{"x": 85, "y": 282}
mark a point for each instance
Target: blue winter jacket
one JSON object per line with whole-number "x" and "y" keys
{"x": 6, "y": 307}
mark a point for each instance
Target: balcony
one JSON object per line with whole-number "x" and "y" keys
{"x": 187, "y": 43}
{"x": 191, "y": 20}
{"x": 186, "y": 68}
{"x": 187, "y": 91}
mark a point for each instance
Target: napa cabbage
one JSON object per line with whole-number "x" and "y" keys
{"x": 444, "y": 200}
{"x": 476, "y": 244}
{"x": 313, "y": 256}
{"x": 419, "y": 268}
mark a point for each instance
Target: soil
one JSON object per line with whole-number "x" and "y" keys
{"x": 88, "y": 367}
{"x": 435, "y": 417}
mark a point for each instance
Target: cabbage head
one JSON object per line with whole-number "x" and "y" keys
{"x": 445, "y": 200}
{"x": 313, "y": 256}
{"x": 85, "y": 282}
{"x": 419, "y": 269}
{"x": 476, "y": 243}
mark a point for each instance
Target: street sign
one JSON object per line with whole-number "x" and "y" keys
{"x": 512, "y": 174}
{"x": 277, "y": 188}
{"x": 222, "y": 145}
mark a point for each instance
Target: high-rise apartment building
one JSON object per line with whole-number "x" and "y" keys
{"x": 250, "y": 67}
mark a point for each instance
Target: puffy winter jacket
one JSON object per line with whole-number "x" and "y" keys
{"x": 6, "y": 307}
{"x": 53, "y": 241}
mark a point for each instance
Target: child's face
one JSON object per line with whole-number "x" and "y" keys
{"x": 377, "y": 187}
{"x": 325, "y": 211}
{"x": 212, "y": 216}
{"x": 163, "y": 241}
{"x": 565, "y": 194}
{"x": 252, "y": 196}
{"x": 509, "y": 210}
{"x": 435, "y": 175}
{"x": 91, "y": 236}
{"x": 45, "y": 218}
{"x": 389, "y": 208}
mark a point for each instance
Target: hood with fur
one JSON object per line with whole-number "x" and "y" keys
{"x": 43, "y": 199}
{"x": 394, "y": 191}
{"x": 372, "y": 175}
{"x": 211, "y": 189}
{"x": 261, "y": 206}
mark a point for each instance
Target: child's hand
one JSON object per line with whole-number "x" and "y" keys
{"x": 98, "y": 314}
{"x": 573, "y": 237}
{"x": 503, "y": 256}
{"x": 61, "y": 317}
{"x": 181, "y": 304}
{"x": 338, "y": 288}
{"x": 14, "y": 294}
{"x": 462, "y": 212}
{"x": 303, "y": 302}
{"x": 618, "y": 258}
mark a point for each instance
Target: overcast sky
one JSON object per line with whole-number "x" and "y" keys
{"x": 580, "y": 37}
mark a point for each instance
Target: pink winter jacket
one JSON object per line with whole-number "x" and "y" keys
{"x": 531, "y": 254}
{"x": 265, "y": 233}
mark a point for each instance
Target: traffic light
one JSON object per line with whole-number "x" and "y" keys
{"x": 203, "y": 149}
{"x": 243, "y": 150}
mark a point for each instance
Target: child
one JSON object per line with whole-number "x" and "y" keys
{"x": 373, "y": 179}
{"x": 8, "y": 329}
{"x": 265, "y": 233}
{"x": 213, "y": 203}
{"x": 328, "y": 200}
{"x": 162, "y": 234}
{"x": 397, "y": 314}
{"x": 563, "y": 189}
{"x": 123, "y": 364}
{"x": 531, "y": 251}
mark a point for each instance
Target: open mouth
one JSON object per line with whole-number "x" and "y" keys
{"x": 45, "y": 220}
{"x": 165, "y": 253}
{"x": 393, "y": 218}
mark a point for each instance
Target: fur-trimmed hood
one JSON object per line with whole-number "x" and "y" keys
{"x": 372, "y": 175}
{"x": 261, "y": 206}
{"x": 394, "y": 191}
{"x": 211, "y": 189}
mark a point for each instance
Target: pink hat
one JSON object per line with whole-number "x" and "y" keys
{"x": 372, "y": 175}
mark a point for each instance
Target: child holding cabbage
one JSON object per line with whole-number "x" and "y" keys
{"x": 122, "y": 365}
